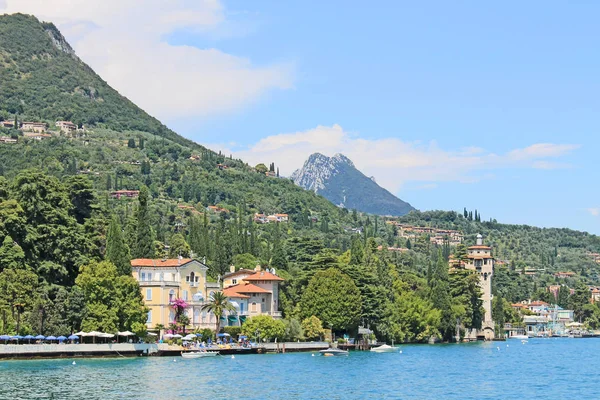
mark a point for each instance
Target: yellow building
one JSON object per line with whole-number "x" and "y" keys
{"x": 163, "y": 281}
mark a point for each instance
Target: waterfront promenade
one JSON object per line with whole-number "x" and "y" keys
{"x": 30, "y": 351}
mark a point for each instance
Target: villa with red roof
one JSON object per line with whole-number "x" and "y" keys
{"x": 253, "y": 292}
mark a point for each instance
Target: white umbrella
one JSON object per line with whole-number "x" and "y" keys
{"x": 80, "y": 334}
{"x": 168, "y": 336}
{"x": 92, "y": 333}
{"x": 152, "y": 334}
{"x": 178, "y": 336}
{"x": 106, "y": 335}
{"x": 190, "y": 337}
{"x": 126, "y": 333}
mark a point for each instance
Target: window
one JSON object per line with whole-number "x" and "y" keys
{"x": 234, "y": 281}
{"x": 149, "y": 320}
{"x": 185, "y": 295}
{"x": 187, "y": 278}
{"x": 171, "y": 296}
{"x": 148, "y": 294}
{"x": 143, "y": 276}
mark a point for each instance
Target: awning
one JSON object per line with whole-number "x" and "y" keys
{"x": 242, "y": 318}
{"x": 232, "y": 318}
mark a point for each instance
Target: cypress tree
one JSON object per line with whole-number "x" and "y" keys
{"x": 117, "y": 250}
{"x": 144, "y": 238}
{"x": 440, "y": 296}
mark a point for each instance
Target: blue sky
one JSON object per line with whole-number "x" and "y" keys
{"x": 447, "y": 104}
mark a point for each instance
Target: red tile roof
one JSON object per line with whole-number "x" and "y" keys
{"x": 230, "y": 292}
{"x": 238, "y": 272}
{"x": 148, "y": 262}
{"x": 480, "y": 247}
{"x": 263, "y": 276}
{"x": 249, "y": 288}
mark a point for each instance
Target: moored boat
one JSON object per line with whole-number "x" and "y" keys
{"x": 384, "y": 348}
{"x": 333, "y": 352}
{"x": 519, "y": 337}
{"x": 199, "y": 354}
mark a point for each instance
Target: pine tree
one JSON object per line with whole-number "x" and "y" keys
{"x": 117, "y": 250}
{"x": 357, "y": 253}
{"x": 16, "y": 121}
{"x": 144, "y": 239}
{"x": 440, "y": 296}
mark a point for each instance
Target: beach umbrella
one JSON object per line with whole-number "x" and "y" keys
{"x": 28, "y": 338}
{"x": 126, "y": 333}
{"x": 80, "y": 334}
{"x": 177, "y": 336}
{"x": 61, "y": 338}
{"x": 16, "y": 337}
{"x": 73, "y": 337}
{"x": 152, "y": 334}
{"x": 5, "y": 337}
{"x": 168, "y": 336}
{"x": 223, "y": 335}
{"x": 51, "y": 338}
{"x": 40, "y": 337}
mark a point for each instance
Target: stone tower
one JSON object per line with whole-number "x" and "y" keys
{"x": 481, "y": 261}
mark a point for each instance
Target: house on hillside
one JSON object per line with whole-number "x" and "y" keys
{"x": 7, "y": 124}
{"x": 37, "y": 127}
{"x": 36, "y": 136}
{"x": 66, "y": 126}
{"x": 163, "y": 281}
{"x": 564, "y": 275}
{"x": 217, "y": 209}
{"x": 253, "y": 292}
{"x": 7, "y": 140}
{"x": 132, "y": 194}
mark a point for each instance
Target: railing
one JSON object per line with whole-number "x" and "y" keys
{"x": 159, "y": 283}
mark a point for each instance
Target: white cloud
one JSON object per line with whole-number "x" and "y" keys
{"x": 594, "y": 211}
{"x": 392, "y": 161}
{"x": 123, "y": 41}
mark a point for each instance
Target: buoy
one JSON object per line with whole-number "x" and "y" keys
{"x": 506, "y": 345}
{"x": 74, "y": 363}
{"x": 232, "y": 357}
{"x": 400, "y": 351}
{"x": 313, "y": 354}
{"x": 174, "y": 360}
{"x": 498, "y": 348}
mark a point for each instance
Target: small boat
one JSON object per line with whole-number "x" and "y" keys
{"x": 519, "y": 337}
{"x": 333, "y": 352}
{"x": 199, "y": 354}
{"x": 384, "y": 348}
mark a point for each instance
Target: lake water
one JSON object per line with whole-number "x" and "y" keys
{"x": 541, "y": 368}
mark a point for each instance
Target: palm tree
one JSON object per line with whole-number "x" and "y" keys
{"x": 218, "y": 304}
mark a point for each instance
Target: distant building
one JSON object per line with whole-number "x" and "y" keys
{"x": 7, "y": 140}
{"x": 37, "y": 127}
{"x": 265, "y": 219}
{"x": 564, "y": 275}
{"x": 254, "y": 292}
{"x": 216, "y": 209}
{"x": 37, "y": 136}
{"x": 482, "y": 262}
{"x": 66, "y": 126}
{"x": 117, "y": 194}
{"x": 7, "y": 124}
{"x": 163, "y": 281}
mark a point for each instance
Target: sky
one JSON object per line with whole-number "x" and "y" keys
{"x": 489, "y": 106}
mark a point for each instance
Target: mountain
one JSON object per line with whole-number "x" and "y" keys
{"x": 337, "y": 179}
{"x": 42, "y": 79}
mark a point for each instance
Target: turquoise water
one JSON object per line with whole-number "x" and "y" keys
{"x": 542, "y": 368}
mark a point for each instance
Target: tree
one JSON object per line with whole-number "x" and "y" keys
{"x": 312, "y": 328}
{"x": 17, "y": 293}
{"x": 218, "y": 304}
{"x": 144, "y": 243}
{"x": 334, "y": 298}
{"x": 264, "y": 326}
{"x": 261, "y": 168}
{"x": 246, "y": 261}
{"x": 439, "y": 295}
{"x": 11, "y": 255}
{"x": 131, "y": 143}
{"x": 293, "y": 329}
{"x": 579, "y": 300}
{"x": 112, "y": 302}
{"x": 178, "y": 246}
{"x": 563, "y": 296}
{"x": 117, "y": 250}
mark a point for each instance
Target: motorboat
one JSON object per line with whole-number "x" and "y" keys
{"x": 384, "y": 348}
{"x": 519, "y": 337}
{"x": 333, "y": 352}
{"x": 199, "y": 354}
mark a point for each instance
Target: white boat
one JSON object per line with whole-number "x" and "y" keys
{"x": 199, "y": 354}
{"x": 333, "y": 352}
{"x": 520, "y": 337}
{"x": 384, "y": 348}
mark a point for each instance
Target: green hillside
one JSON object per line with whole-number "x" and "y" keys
{"x": 43, "y": 80}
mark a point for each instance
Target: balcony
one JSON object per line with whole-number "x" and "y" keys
{"x": 159, "y": 283}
